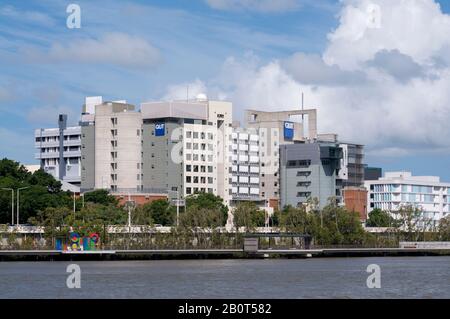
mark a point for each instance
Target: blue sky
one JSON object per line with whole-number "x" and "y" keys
{"x": 149, "y": 50}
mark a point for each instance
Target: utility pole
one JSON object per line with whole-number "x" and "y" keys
{"x": 12, "y": 204}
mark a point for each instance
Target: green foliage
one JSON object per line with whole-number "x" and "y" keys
{"x": 156, "y": 212}
{"x": 380, "y": 218}
{"x": 43, "y": 191}
{"x": 247, "y": 215}
{"x": 100, "y": 196}
{"x": 444, "y": 229}
{"x": 208, "y": 202}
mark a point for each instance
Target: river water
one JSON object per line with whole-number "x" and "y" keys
{"x": 401, "y": 277}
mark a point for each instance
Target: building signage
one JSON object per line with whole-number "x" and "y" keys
{"x": 160, "y": 129}
{"x": 288, "y": 130}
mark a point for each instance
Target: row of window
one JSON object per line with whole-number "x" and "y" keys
{"x": 201, "y": 135}
{"x": 199, "y": 179}
{"x": 197, "y": 168}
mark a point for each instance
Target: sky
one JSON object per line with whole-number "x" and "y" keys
{"x": 378, "y": 71}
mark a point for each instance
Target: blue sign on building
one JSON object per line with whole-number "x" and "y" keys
{"x": 288, "y": 130}
{"x": 160, "y": 129}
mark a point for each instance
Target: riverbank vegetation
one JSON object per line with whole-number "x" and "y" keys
{"x": 200, "y": 223}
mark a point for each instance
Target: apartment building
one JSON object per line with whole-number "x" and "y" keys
{"x": 309, "y": 170}
{"x": 59, "y": 151}
{"x": 397, "y": 189}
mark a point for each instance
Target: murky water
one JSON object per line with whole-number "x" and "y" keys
{"x": 401, "y": 277}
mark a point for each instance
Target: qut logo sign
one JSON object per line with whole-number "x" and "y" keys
{"x": 160, "y": 129}
{"x": 288, "y": 130}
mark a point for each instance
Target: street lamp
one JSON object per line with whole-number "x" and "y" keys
{"x": 18, "y": 203}
{"x": 12, "y": 203}
{"x": 178, "y": 204}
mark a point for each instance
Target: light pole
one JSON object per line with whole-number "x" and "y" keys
{"x": 12, "y": 203}
{"x": 18, "y": 203}
{"x": 178, "y": 204}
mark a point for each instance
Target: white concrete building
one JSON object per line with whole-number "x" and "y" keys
{"x": 59, "y": 151}
{"x": 244, "y": 171}
{"x": 397, "y": 189}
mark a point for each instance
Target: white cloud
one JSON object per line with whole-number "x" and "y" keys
{"x": 416, "y": 28}
{"x": 381, "y": 87}
{"x": 112, "y": 48}
{"x": 254, "y": 5}
{"x": 185, "y": 90}
{"x": 30, "y": 16}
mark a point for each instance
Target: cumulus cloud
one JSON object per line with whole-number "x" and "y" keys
{"x": 112, "y": 48}
{"x": 311, "y": 69}
{"x": 254, "y": 5}
{"x": 386, "y": 85}
{"x": 185, "y": 90}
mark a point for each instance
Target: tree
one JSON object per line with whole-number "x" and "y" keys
{"x": 208, "y": 201}
{"x": 408, "y": 220}
{"x": 444, "y": 229}
{"x": 157, "y": 212}
{"x": 294, "y": 219}
{"x": 379, "y": 218}
{"x": 247, "y": 215}
{"x": 100, "y": 196}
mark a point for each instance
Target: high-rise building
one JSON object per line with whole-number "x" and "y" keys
{"x": 275, "y": 129}
{"x": 59, "y": 151}
{"x": 372, "y": 173}
{"x": 185, "y": 144}
{"x": 244, "y": 173}
{"x": 309, "y": 170}
{"x": 397, "y": 189}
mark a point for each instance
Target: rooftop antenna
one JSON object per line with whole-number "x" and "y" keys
{"x": 302, "y": 107}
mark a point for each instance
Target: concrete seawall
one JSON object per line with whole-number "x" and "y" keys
{"x": 56, "y": 255}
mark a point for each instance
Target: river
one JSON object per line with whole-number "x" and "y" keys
{"x": 401, "y": 277}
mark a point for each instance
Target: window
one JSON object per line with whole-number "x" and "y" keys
{"x": 195, "y": 157}
{"x": 196, "y": 168}
{"x": 195, "y": 134}
{"x": 188, "y": 134}
{"x": 195, "y": 179}
{"x": 195, "y": 146}
{"x": 188, "y": 179}
{"x": 138, "y": 132}
{"x": 203, "y": 180}
{"x": 188, "y": 157}
{"x": 210, "y": 136}
{"x": 188, "y": 168}
{"x": 188, "y": 190}
{"x": 138, "y": 165}
{"x": 210, "y": 169}
{"x": 188, "y": 146}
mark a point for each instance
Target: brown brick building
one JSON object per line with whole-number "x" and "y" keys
{"x": 355, "y": 200}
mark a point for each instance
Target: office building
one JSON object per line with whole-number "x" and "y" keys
{"x": 372, "y": 173}
{"x": 351, "y": 173}
{"x": 309, "y": 170}
{"x": 59, "y": 151}
{"x": 397, "y": 189}
{"x": 275, "y": 129}
{"x": 185, "y": 144}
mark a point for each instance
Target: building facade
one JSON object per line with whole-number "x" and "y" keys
{"x": 397, "y": 189}
{"x": 185, "y": 145}
{"x": 309, "y": 170}
{"x": 59, "y": 151}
